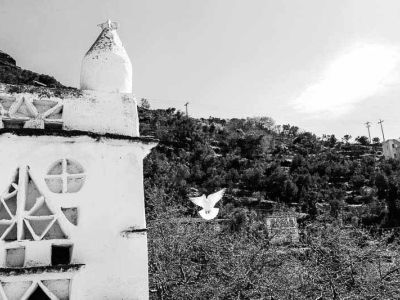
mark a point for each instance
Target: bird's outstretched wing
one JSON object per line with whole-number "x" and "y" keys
{"x": 198, "y": 200}
{"x": 214, "y": 198}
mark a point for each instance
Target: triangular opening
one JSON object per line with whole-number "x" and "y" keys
{"x": 59, "y": 287}
{"x": 32, "y": 193}
{"x": 11, "y": 188}
{"x": 38, "y": 294}
{"x": 56, "y": 113}
{"x": 55, "y": 232}
{"x": 16, "y": 177}
{"x": 39, "y": 226}
{"x": 7, "y": 102}
{"x": 4, "y": 215}
{"x": 3, "y": 228}
{"x": 15, "y": 290}
{"x": 42, "y": 210}
{"x": 23, "y": 111}
{"x": 44, "y": 105}
{"x": 12, "y": 235}
{"x": 11, "y": 201}
{"x": 27, "y": 233}
{"x": 71, "y": 213}
{"x": 12, "y": 204}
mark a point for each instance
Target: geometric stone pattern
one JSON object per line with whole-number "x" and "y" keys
{"x": 24, "y": 213}
{"x": 36, "y": 289}
{"x": 25, "y": 111}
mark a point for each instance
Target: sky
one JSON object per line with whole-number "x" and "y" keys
{"x": 325, "y": 66}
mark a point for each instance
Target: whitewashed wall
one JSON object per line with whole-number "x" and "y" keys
{"x": 110, "y": 202}
{"x": 94, "y": 111}
{"x": 102, "y": 112}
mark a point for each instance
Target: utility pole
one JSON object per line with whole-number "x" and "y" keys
{"x": 186, "y": 104}
{"x": 368, "y": 124}
{"x": 380, "y": 122}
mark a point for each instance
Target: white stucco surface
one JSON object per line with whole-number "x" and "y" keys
{"x": 102, "y": 112}
{"x": 106, "y": 66}
{"x": 93, "y": 111}
{"x": 79, "y": 192}
{"x": 110, "y": 202}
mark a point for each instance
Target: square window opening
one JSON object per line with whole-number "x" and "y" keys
{"x": 15, "y": 257}
{"x": 53, "y": 126}
{"x": 13, "y": 124}
{"x": 61, "y": 254}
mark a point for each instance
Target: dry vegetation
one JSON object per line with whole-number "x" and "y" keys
{"x": 331, "y": 262}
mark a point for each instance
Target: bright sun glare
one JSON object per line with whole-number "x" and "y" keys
{"x": 351, "y": 78}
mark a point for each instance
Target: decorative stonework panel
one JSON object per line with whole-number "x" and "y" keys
{"x": 57, "y": 289}
{"x": 60, "y": 288}
{"x": 25, "y": 111}
{"x": 24, "y": 213}
{"x": 14, "y": 290}
{"x": 65, "y": 176}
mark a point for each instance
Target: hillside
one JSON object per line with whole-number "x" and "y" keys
{"x": 346, "y": 194}
{"x": 12, "y": 74}
{"x": 263, "y": 165}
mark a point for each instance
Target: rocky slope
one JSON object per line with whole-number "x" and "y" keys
{"x": 12, "y": 74}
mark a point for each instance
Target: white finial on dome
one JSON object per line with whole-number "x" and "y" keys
{"x": 106, "y": 66}
{"x": 108, "y": 25}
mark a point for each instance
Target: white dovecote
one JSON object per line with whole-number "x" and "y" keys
{"x": 106, "y": 66}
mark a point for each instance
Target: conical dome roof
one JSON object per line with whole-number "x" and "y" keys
{"x": 106, "y": 66}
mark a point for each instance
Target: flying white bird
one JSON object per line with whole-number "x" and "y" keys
{"x": 209, "y": 211}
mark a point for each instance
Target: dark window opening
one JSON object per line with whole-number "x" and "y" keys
{"x": 61, "y": 254}
{"x": 13, "y": 124}
{"x": 53, "y": 126}
{"x": 38, "y": 294}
